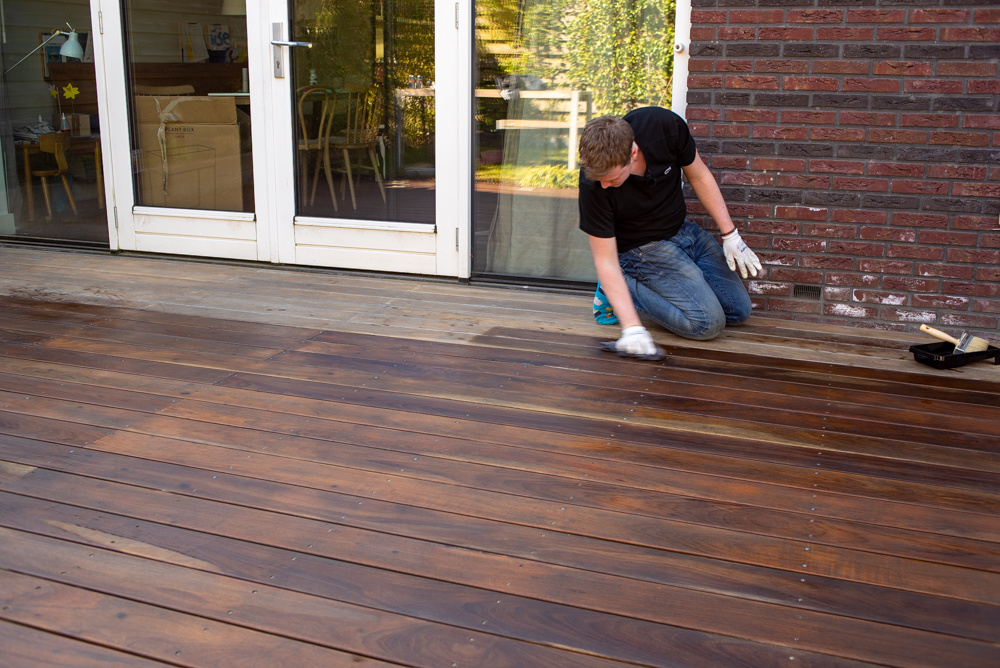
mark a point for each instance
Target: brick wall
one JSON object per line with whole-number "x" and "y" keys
{"x": 857, "y": 145}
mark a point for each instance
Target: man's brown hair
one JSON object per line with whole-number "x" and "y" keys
{"x": 605, "y": 143}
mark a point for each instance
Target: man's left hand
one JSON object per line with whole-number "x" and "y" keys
{"x": 739, "y": 254}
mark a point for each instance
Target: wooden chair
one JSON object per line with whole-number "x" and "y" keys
{"x": 54, "y": 144}
{"x": 314, "y": 134}
{"x": 361, "y": 133}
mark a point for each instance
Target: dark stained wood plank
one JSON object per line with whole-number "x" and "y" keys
{"x": 25, "y": 647}
{"x": 125, "y": 625}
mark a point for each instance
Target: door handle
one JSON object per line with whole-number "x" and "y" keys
{"x": 277, "y": 55}
{"x": 307, "y": 45}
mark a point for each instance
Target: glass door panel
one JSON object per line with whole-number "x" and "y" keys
{"x": 363, "y": 108}
{"x": 543, "y": 68}
{"x": 189, "y": 104}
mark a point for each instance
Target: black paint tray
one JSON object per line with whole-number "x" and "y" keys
{"x": 942, "y": 355}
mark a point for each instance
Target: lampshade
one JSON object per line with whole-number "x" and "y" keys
{"x": 234, "y": 7}
{"x": 71, "y": 47}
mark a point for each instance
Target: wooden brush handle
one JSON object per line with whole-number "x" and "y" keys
{"x": 938, "y": 334}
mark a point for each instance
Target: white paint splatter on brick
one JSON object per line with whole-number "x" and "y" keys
{"x": 849, "y": 311}
{"x": 916, "y": 316}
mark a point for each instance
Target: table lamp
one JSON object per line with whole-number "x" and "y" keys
{"x": 71, "y": 48}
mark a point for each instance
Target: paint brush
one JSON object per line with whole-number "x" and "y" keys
{"x": 967, "y": 344}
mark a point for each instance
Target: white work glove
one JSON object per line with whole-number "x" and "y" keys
{"x": 738, "y": 253}
{"x": 636, "y": 341}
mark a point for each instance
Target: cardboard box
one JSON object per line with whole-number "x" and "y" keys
{"x": 189, "y": 149}
{"x": 79, "y": 125}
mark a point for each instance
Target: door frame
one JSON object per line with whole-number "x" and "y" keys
{"x": 272, "y": 233}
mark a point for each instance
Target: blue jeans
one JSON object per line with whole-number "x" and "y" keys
{"x": 684, "y": 284}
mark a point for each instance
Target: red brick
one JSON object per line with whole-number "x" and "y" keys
{"x": 752, "y": 115}
{"x": 902, "y": 68}
{"x": 906, "y": 315}
{"x": 801, "y": 213}
{"x": 888, "y": 234}
{"x": 897, "y": 136}
{"x": 797, "y": 116}
{"x": 704, "y": 114}
{"x": 919, "y": 220}
{"x": 940, "y": 301}
{"x": 730, "y": 162}
{"x": 737, "y": 33}
{"x": 915, "y": 252}
{"x": 981, "y": 288}
{"x": 841, "y": 263}
{"x": 844, "y": 34}
{"x": 920, "y": 187}
{"x": 708, "y": 16}
{"x": 702, "y": 33}
{"x": 769, "y": 288}
{"x": 966, "y": 68}
{"x": 793, "y": 66}
{"x": 986, "y": 16}
{"x": 911, "y": 284}
{"x": 856, "y": 280}
{"x": 802, "y": 181}
{"x": 810, "y": 83}
{"x": 700, "y": 129}
{"x": 956, "y": 172}
{"x": 939, "y": 16}
{"x": 815, "y": 16}
{"x": 941, "y": 237}
{"x": 985, "y": 323}
{"x": 970, "y": 34}
{"x": 900, "y": 34}
{"x": 793, "y": 305}
{"x": 746, "y": 178}
{"x": 873, "y": 297}
{"x": 752, "y": 82}
{"x": 704, "y": 81}
{"x": 930, "y": 120}
{"x": 731, "y": 65}
{"x": 840, "y": 67}
{"x": 875, "y": 15}
{"x": 780, "y": 164}
{"x": 837, "y": 294}
{"x": 973, "y": 256}
{"x": 984, "y": 87}
{"x": 798, "y": 245}
{"x": 895, "y": 169}
{"x": 884, "y": 266}
{"x": 976, "y": 189}
{"x": 856, "y": 248}
{"x": 985, "y": 306}
{"x": 990, "y": 122}
{"x": 850, "y": 311}
{"x": 756, "y": 16}
{"x": 946, "y": 86}
{"x": 990, "y": 241}
{"x": 779, "y": 132}
{"x": 828, "y": 230}
{"x": 868, "y": 118}
{"x": 730, "y": 130}
{"x": 701, "y": 65}
{"x": 944, "y": 270}
{"x": 864, "y": 184}
{"x": 837, "y": 167}
{"x": 872, "y": 85}
{"x": 866, "y": 216}
{"x": 771, "y": 226}
{"x": 974, "y": 223}
{"x": 785, "y": 34}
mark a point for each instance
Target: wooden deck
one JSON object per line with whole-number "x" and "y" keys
{"x": 221, "y": 465}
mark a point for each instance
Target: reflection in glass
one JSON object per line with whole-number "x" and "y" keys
{"x": 51, "y": 185}
{"x": 364, "y": 97}
{"x": 544, "y": 67}
{"x": 190, "y": 104}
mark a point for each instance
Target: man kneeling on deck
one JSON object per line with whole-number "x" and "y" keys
{"x": 649, "y": 258}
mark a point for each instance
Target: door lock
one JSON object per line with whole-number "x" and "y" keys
{"x": 278, "y": 57}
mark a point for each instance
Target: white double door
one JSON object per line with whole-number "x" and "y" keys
{"x": 284, "y": 224}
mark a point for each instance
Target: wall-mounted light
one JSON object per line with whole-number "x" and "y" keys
{"x": 70, "y": 48}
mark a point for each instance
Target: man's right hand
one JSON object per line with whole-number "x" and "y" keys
{"x": 637, "y": 342}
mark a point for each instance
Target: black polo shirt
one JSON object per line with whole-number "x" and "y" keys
{"x": 649, "y": 207}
